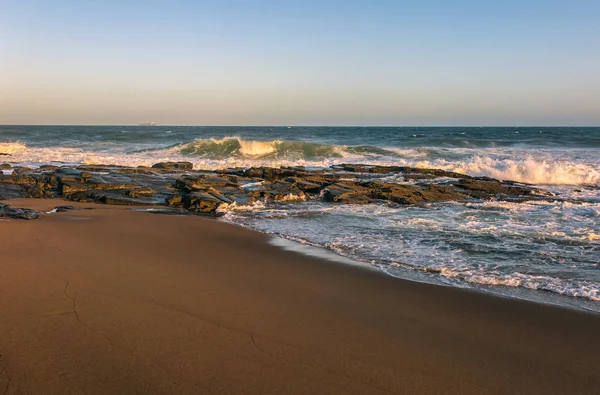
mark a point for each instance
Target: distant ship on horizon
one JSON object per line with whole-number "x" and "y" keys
{"x": 147, "y": 124}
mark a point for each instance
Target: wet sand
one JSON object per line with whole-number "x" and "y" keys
{"x": 111, "y": 301}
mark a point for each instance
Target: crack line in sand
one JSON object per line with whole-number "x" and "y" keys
{"x": 9, "y": 379}
{"x": 252, "y": 338}
{"x": 112, "y": 344}
{"x": 7, "y": 386}
{"x": 109, "y": 340}
{"x": 330, "y": 371}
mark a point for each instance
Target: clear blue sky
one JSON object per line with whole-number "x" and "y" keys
{"x": 302, "y": 62}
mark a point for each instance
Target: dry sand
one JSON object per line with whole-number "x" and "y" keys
{"x": 111, "y": 301}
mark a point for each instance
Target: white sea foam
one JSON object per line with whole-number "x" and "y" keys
{"x": 486, "y": 244}
{"x": 574, "y": 288}
{"x": 9, "y": 148}
{"x": 531, "y": 166}
{"x": 257, "y": 148}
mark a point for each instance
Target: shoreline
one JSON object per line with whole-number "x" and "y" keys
{"x": 537, "y": 296}
{"x": 518, "y": 293}
{"x": 172, "y": 307}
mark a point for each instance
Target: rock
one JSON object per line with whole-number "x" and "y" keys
{"x": 9, "y": 191}
{"x": 442, "y": 193}
{"x": 140, "y": 192}
{"x": 21, "y": 170}
{"x": 205, "y": 191}
{"x": 344, "y": 195}
{"x": 173, "y": 165}
{"x": 174, "y": 200}
{"x": 488, "y": 187}
{"x": 222, "y": 198}
{"x": 62, "y": 209}
{"x": 5, "y": 166}
{"x": 69, "y": 188}
{"x": 18, "y": 213}
{"x": 242, "y": 200}
{"x": 309, "y": 187}
{"x": 202, "y": 202}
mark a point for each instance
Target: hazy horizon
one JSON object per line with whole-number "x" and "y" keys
{"x": 311, "y": 64}
{"x": 307, "y": 126}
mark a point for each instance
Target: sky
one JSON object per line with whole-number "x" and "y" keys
{"x": 508, "y": 62}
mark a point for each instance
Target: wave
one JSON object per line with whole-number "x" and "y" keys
{"x": 8, "y": 148}
{"x": 529, "y": 169}
{"x": 542, "y": 167}
{"x": 574, "y": 288}
{"x": 235, "y": 147}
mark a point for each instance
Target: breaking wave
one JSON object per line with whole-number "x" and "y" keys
{"x": 534, "y": 166}
{"x": 276, "y": 149}
{"x": 8, "y": 148}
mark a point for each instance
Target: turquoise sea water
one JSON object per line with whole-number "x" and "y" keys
{"x": 547, "y": 251}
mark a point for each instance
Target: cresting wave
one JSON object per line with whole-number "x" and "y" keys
{"x": 535, "y": 166}
{"x": 235, "y": 147}
{"x": 9, "y": 148}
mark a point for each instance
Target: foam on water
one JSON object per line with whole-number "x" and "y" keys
{"x": 535, "y": 166}
{"x": 544, "y": 246}
{"x": 9, "y": 148}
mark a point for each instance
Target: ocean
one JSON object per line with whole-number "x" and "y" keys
{"x": 546, "y": 251}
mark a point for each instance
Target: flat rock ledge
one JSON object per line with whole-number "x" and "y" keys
{"x": 178, "y": 186}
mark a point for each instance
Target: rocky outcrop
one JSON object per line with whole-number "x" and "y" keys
{"x": 176, "y": 185}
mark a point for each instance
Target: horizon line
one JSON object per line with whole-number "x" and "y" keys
{"x": 313, "y": 126}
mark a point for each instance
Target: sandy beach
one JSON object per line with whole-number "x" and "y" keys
{"x": 113, "y": 301}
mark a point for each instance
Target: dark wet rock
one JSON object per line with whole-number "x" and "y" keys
{"x": 489, "y": 187}
{"x": 10, "y": 191}
{"x": 242, "y": 200}
{"x": 202, "y": 202}
{"x": 344, "y": 195}
{"x": 21, "y": 170}
{"x": 17, "y": 213}
{"x": 202, "y": 182}
{"x": 176, "y": 185}
{"x": 62, "y": 209}
{"x": 119, "y": 169}
{"x": 5, "y": 166}
{"x": 307, "y": 186}
{"x": 174, "y": 165}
